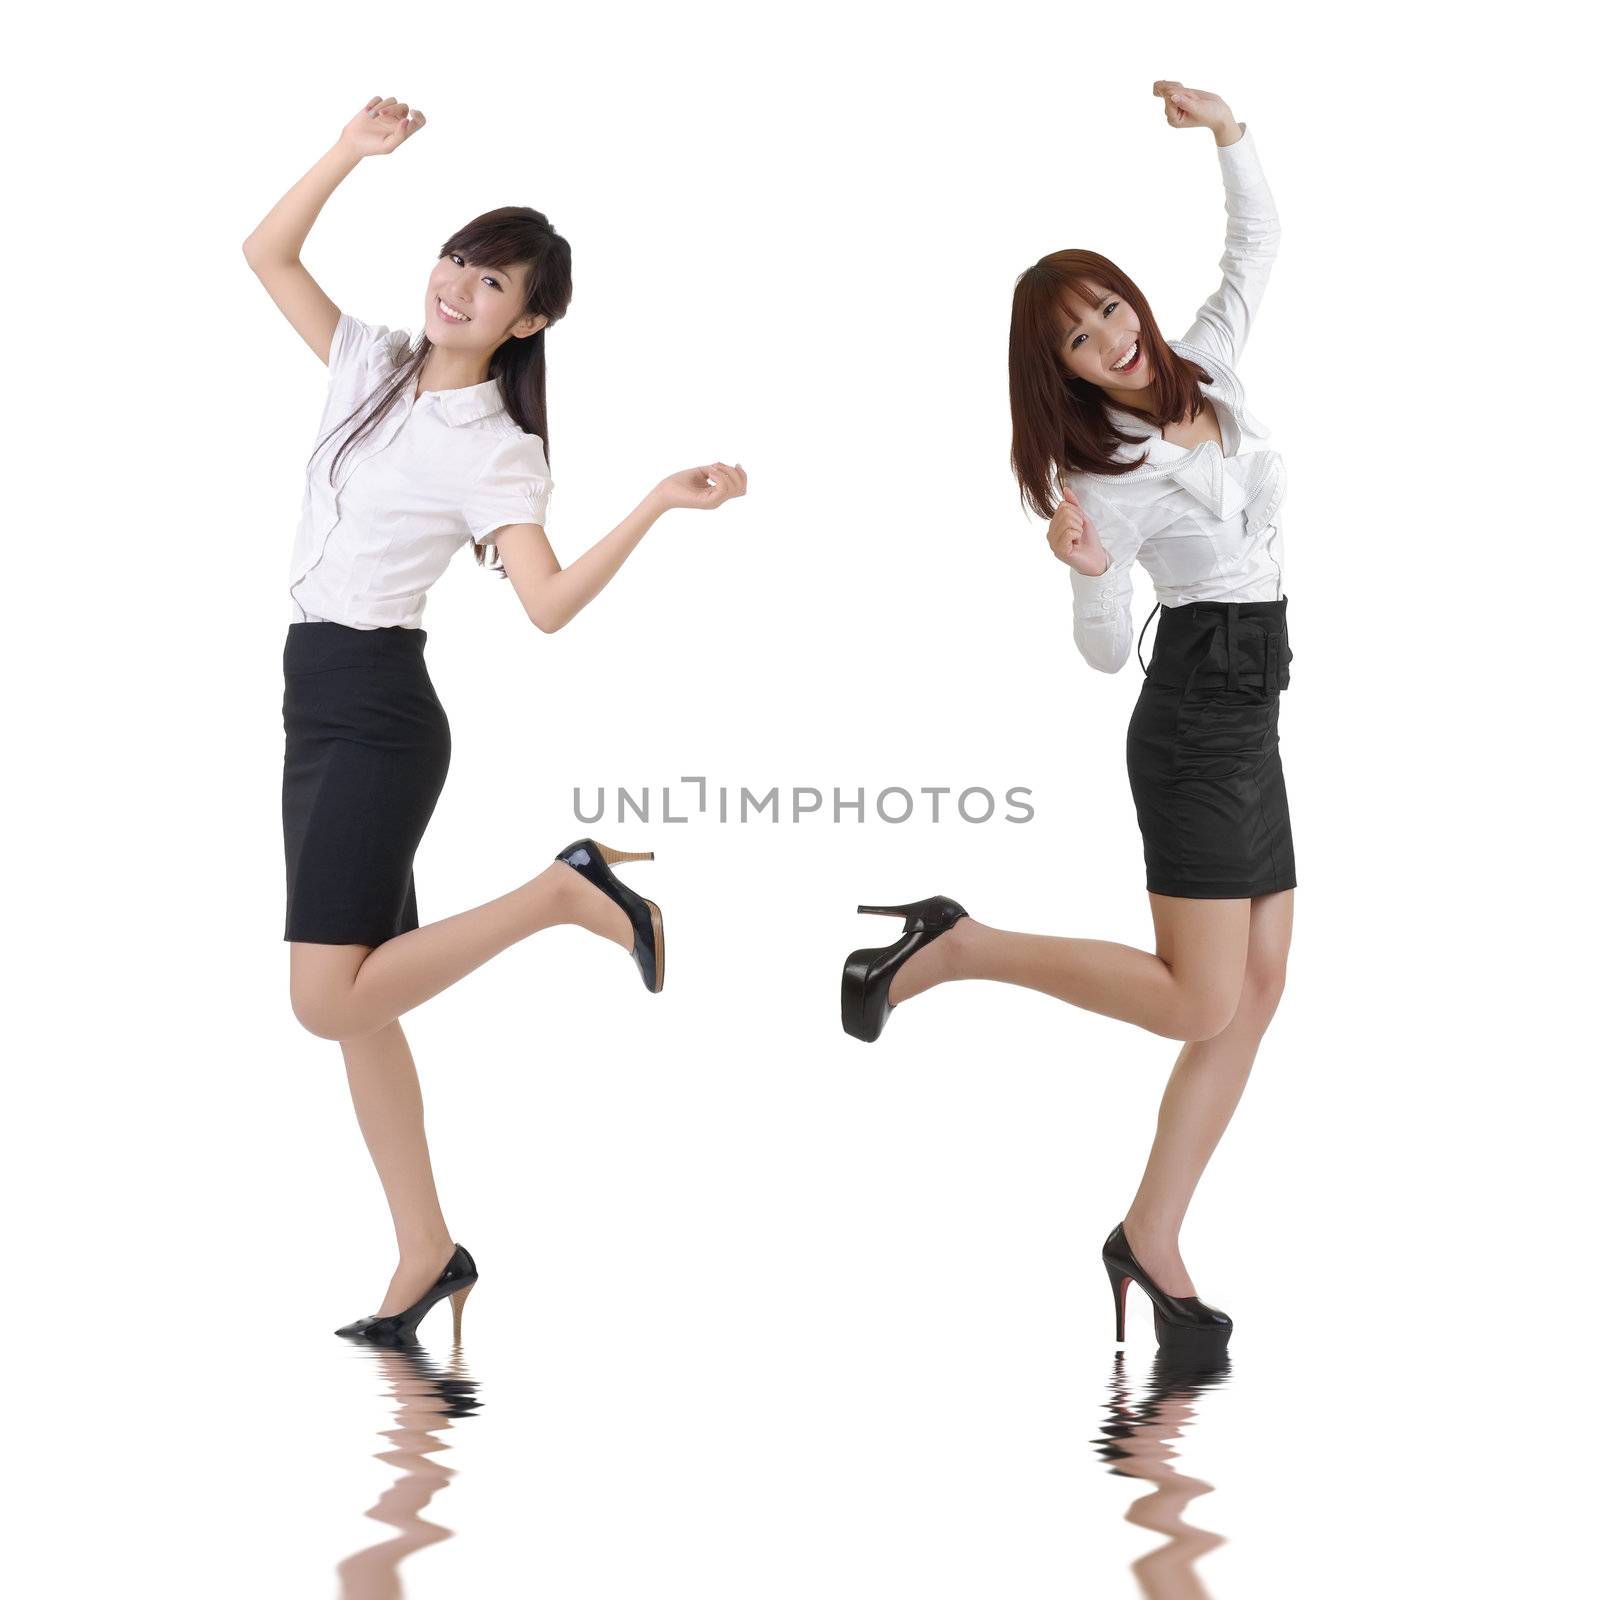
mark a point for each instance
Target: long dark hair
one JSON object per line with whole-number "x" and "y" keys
{"x": 1059, "y": 422}
{"x": 500, "y": 238}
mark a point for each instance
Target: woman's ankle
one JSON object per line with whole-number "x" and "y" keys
{"x": 425, "y": 1247}
{"x": 578, "y": 903}
{"x": 932, "y": 965}
{"x": 1153, "y": 1232}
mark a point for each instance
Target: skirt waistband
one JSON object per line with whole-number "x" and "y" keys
{"x": 1221, "y": 642}
{"x": 313, "y": 646}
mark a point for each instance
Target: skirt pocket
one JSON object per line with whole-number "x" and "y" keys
{"x": 1225, "y": 733}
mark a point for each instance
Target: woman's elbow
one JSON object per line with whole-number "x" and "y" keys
{"x": 1103, "y": 657}
{"x": 540, "y": 607}
{"x": 1107, "y": 663}
{"x": 258, "y": 255}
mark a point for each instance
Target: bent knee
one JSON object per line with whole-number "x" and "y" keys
{"x": 1203, "y": 1016}
{"x": 316, "y": 1015}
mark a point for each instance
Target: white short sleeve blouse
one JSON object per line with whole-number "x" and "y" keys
{"x": 436, "y": 474}
{"x": 1203, "y": 523}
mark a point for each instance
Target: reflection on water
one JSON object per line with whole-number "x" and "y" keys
{"x": 428, "y": 1394}
{"x": 1138, "y": 1440}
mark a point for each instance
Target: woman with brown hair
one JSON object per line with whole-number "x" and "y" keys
{"x": 442, "y": 443}
{"x": 1141, "y": 450}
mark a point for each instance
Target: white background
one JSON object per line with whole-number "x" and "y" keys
{"x": 765, "y": 1310}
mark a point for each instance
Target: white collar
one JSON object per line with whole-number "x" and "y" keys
{"x": 458, "y": 406}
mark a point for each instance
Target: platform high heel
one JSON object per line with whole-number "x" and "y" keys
{"x": 649, "y": 936}
{"x": 456, "y": 1281}
{"x": 864, "y": 1004}
{"x": 1184, "y": 1324}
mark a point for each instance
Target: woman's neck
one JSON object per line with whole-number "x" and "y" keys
{"x": 1130, "y": 399}
{"x": 444, "y": 369}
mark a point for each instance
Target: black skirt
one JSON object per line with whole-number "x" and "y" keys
{"x": 1203, "y": 757}
{"x": 366, "y": 750}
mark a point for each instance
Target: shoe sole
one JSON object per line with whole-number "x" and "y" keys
{"x": 660, "y": 932}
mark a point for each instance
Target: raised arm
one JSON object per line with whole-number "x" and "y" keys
{"x": 1223, "y": 323}
{"x": 273, "y": 249}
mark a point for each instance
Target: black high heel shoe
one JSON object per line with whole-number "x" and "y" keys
{"x": 1185, "y": 1325}
{"x": 649, "y": 937}
{"x": 459, "y": 1275}
{"x": 864, "y": 1004}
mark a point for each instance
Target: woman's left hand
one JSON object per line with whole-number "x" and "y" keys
{"x": 701, "y": 488}
{"x": 1193, "y": 108}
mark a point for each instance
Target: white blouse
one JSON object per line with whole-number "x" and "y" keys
{"x": 436, "y": 474}
{"x": 1201, "y": 522}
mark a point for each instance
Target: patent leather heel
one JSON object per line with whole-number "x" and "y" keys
{"x": 864, "y": 1003}
{"x": 1185, "y": 1324}
{"x": 456, "y": 1281}
{"x": 593, "y": 861}
{"x": 1119, "y": 1294}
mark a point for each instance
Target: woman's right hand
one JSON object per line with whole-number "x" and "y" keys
{"x": 1073, "y": 539}
{"x": 381, "y": 125}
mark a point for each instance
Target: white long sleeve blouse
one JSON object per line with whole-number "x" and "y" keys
{"x": 438, "y": 473}
{"x": 1202, "y": 522}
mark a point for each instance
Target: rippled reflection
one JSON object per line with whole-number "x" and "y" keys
{"x": 429, "y": 1396}
{"x": 1138, "y": 1440}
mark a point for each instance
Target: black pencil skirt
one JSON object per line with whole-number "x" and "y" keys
{"x": 366, "y": 750}
{"x": 1203, "y": 758}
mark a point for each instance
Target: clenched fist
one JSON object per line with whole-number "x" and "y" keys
{"x": 1073, "y": 539}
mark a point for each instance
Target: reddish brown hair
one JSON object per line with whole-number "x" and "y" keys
{"x": 1059, "y": 423}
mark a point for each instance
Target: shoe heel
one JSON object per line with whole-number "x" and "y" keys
{"x": 936, "y": 914}
{"x": 457, "y": 1301}
{"x": 1119, "y": 1294}
{"x": 612, "y": 857}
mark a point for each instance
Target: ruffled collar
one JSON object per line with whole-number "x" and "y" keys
{"x": 1203, "y": 471}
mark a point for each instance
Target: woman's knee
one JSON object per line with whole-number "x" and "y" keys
{"x": 1263, "y": 989}
{"x": 314, "y": 1012}
{"x": 1203, "y": 1014}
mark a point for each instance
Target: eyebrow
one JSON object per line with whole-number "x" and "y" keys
{"x": 1109, "y": 295}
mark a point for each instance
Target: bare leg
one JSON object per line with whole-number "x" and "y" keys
{"x": 347, "y": 991}
{"x": 1200, "y": 1099}
{"x": 1187, "y": 989}
{"x": 388, "y": 1102}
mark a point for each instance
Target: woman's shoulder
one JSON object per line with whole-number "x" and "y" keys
{"x": 1224, "y": 379}
{"x": 1226, "y": 386}
{"x": 507, "y": 449}
{"x": 366, "y": 346}
{"x": 501, "y": 427}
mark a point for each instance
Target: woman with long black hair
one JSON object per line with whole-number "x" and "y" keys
{"x": 428, "y": 444}
{"x": 1140, "y": 450}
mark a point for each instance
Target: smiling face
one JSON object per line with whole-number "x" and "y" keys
{"x": 1096, "y": 335}
{"x": 474, "y": 310}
